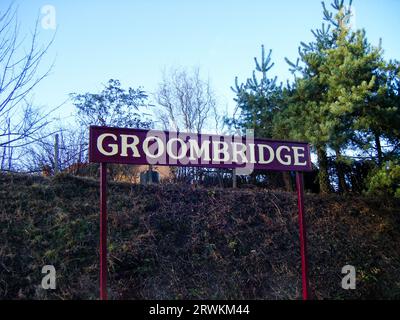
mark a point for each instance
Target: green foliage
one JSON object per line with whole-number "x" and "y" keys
{"x": 258, "y": 99}
{"x": 113, "y": 106}
{"x": 385, "y": 180}
{"x": 346, "y": 96}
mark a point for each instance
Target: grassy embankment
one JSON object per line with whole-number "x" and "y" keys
{"x": 175, "y": 242}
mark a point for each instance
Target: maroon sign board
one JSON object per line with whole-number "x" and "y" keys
{"x": 155, "y": 147}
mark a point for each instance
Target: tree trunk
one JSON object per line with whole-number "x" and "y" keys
{"x": 287, "y": 181}
{"x": 253, "y": 178}
{"x": 219, "y": 178}
{"x": 378, "y": 148}
{"x": 324, "y": 183}
{"x": 340, "y": 172}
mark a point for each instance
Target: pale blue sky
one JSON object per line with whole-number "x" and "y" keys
{"x": 134, "y": 40}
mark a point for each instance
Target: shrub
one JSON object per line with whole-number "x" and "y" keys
{"x": 385, "y": 180}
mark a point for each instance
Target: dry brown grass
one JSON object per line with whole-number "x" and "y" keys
{"x": 174, "y": 242}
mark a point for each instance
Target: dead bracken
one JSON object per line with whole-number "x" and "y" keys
{"x": 177, "y": 242}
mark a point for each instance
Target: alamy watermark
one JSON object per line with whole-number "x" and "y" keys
{"x": 48, "y": 20}
{"x": 49, "y": 280}
{"x": 349, "y": 280}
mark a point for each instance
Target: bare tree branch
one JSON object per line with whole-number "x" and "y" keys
{"x": 20, "y": 123}
{"x": 186, "y": 102}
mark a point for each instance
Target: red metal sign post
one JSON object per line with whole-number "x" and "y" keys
{"x": 103, "y": 231}
{"x": 302, "y": 231}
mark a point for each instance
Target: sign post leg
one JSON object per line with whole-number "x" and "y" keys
{"x": 303, "y": 237}
{"x": 103, "y": 231}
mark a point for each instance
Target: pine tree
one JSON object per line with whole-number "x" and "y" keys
{"x": 362, "y": 95}
{"x": 304, "y": 116}
{"x": 346, "y": 95}
{"x": 348, "y": 73}
{"x": 258, "y": 99}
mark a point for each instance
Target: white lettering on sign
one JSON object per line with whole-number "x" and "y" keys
{"x": 157, "y": 147}
{"x": 114, "y": 147}
{"x": 239, "y": 152}
{"x": 132, "y": 145}
{"x": 252, "y": 153}
{"x": 220, "y": 147}
{"x": 261, "y": 148}
{"x": 279, "y": 155}
{"x": 297, "y": 154}
{"x": 170, "y": 149}
{"x": 177, "y": 148}
{"x": 200, "y": 152}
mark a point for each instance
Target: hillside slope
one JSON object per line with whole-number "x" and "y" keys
{"x": 176, "y": 242}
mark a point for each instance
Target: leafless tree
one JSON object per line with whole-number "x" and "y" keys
{"x": 20, "y": 122}
{"x": 72, "y": 150}
{"x": 186, "y": 102}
